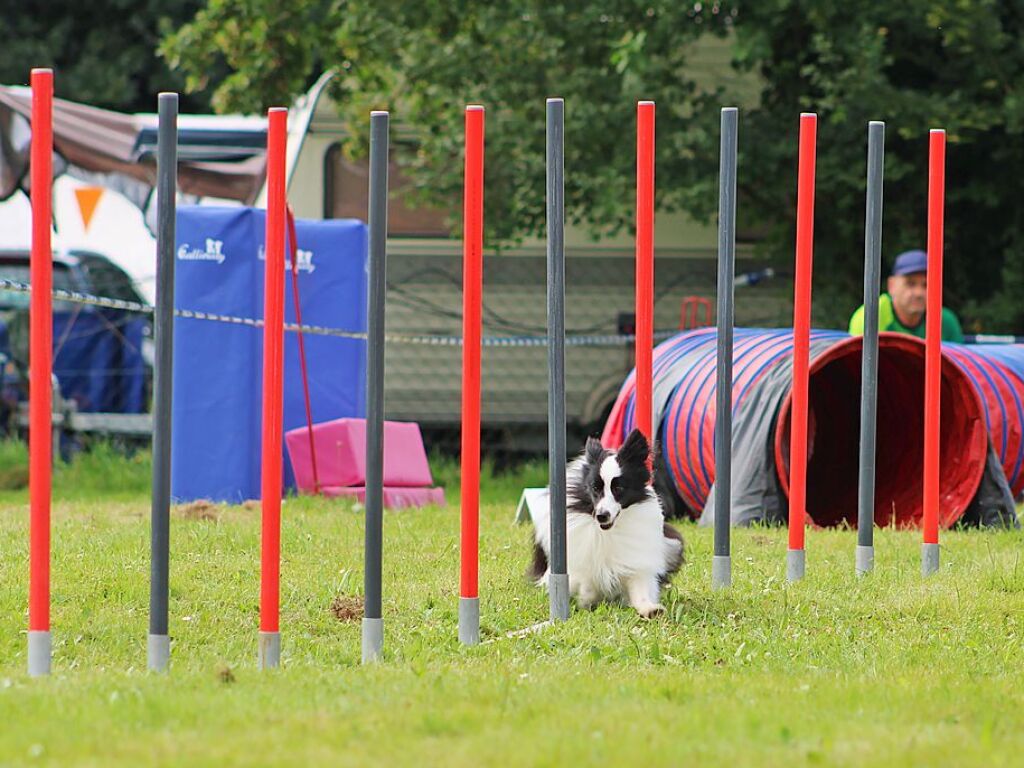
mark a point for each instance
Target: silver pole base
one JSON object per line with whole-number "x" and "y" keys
{"x": 721, "y": 571}
{"x": 469, "y": 620}
{"x": 865, "y": 560}
{"x": 270, "y": 650}
{"x": 558, "y": 591}
{"x": 796, "y": 564}
{"x": 158, "y": 652}
{"x": 373, "y": 640}
{"x": 40, "y": 651}
{"x": 929, "y": 559}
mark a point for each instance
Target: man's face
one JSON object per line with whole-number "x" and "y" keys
{"x": 909, "y": 293}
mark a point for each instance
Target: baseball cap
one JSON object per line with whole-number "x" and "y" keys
{"x": 909, "y": 262}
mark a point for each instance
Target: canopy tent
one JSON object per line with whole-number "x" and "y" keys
{"x": 219, "y": 157}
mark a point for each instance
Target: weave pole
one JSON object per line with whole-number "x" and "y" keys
{"x": 558, "y": 582}
{"x": 644, "y": 343}
{"x": 933, "y": 350}
{"x": 796, "y": 556}
{"x": 865, "y": 553}
{"x": 721, "y": 561}
{"x": 40, "y": 435}
{"x": 377, "y": 218}
{"x": 273, "y": 392}
{"x": 159, "y": 643}
{"x": 472, "y": 298}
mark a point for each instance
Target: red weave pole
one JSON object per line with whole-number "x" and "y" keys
{"x": 293, "y": 245}
{"x": 472, "y": 298}
{"x": 933, "y": 333}
{"x": 644, "y": 265}
{"x": 802, "y": 331}
{"x": 273, "y": 372}
{"x": 40, "y": 436}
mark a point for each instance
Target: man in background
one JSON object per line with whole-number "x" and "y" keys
{"x": 902, "y": 308}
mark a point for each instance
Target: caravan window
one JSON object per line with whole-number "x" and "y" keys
{"x": 346, "y": 192}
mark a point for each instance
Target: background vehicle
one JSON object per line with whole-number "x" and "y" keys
{"x": 101, "y": 358}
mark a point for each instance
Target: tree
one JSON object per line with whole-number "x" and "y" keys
{"x": 425, "y": 60}
{"x": 916, "y": 65}
{"x": 103, "y": 53}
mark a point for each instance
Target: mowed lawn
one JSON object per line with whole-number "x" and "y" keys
{"x": 887, "y": 670}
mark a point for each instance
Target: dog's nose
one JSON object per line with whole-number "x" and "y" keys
{"x": 603, "y": 517}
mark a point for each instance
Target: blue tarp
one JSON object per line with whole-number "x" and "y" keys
{"x": 219, "y": 268}
{"x": 97, "y": 358}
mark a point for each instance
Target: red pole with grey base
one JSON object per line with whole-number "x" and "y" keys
{"x": 472, "y": 296}
{"x": 273, "y": 393}
{"x": 933, "y": 351}
{"x": 40, "y": 440}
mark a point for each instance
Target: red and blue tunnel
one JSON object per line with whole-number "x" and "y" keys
{"x": 982, "y": 415}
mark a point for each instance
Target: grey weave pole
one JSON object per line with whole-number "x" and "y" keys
{"x": 865, "y": 557}
{"x": 159, "y": 643}
{"x": 373, "y": 622}
{"x": 558, "y": 583}
{"x": 721, "y": 561}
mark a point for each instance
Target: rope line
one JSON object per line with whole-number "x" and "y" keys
{"x": 583, "y": 340}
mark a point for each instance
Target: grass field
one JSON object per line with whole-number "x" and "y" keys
{"x": 886, "y": 670}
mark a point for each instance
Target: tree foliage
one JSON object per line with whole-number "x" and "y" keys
{"x": 916, "y": 65}
{"x": 920, "y": 64}
{"x": 425, "y": 60}
{"x": 103, "y": 52}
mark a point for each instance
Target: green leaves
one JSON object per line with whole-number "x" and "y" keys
{"x": 104, "y": 52}
{"x": 916, "y": 65}
{"x": 425, "y": 61}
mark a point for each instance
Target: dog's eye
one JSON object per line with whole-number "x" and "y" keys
{"x": 616, "y": 486}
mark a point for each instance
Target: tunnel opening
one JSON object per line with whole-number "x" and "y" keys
{"x": 834, "y": 436}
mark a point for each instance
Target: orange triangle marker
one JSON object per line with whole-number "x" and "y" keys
{"x": 88, "y": 199}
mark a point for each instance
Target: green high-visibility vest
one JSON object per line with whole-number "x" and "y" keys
{"x": 887, "y": 321}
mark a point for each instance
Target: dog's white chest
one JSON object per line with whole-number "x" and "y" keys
{"x": 604, "y": 558}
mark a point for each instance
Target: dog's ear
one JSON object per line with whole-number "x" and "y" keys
{"x": 594, "y": 451}
{"x": 635, "y": 450}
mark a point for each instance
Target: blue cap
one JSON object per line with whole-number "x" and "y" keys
{"x": 909, "y": 262}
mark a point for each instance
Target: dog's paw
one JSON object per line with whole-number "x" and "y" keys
{"x": 650, "y": 610}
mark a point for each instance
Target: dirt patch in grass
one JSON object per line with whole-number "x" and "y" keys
{"x": 347, "y": 608}
{"x": 198, "y": 510}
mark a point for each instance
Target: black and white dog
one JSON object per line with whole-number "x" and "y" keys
{"x": 618, "y": 544}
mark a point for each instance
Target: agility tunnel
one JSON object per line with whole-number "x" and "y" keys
{"x": 981, "y": 446}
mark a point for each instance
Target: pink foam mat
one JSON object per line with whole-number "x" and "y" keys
{"x": 341, "y": 454}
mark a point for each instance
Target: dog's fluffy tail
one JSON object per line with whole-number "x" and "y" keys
{"x": 678, "y": 558}
{"x": 539, "y": 566}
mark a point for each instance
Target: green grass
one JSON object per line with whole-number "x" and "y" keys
{"x": 102, "y": 472}
{"x": 887, "y": 670}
